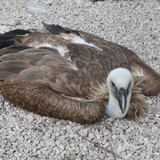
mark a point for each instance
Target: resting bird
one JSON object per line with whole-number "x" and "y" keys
{"x": 74, "y": 75}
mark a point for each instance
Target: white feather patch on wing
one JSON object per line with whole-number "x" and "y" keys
{"x": 36, "y": 44}
{"x": 46, "y": 45}
{"x": 61, "y": 50}
{"x": 73, "y": 66}
{"x": 137, "y": 72}
{"x": 77, "y": 39}
{"x": 68, "y": 58}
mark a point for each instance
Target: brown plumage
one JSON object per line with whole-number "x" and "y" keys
{"x": 62, "y": 73}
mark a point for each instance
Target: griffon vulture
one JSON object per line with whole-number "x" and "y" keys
{"x": 73, "y": 75}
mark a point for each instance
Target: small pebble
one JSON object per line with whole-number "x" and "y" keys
{"x": 88, "y": 3}
{"x": 73, "y": 157}
{"x": 18, "y": 22}
{"x": 114, "y": 137}
{"x": 154, "y": 35}
{"x": 64, "y": 122}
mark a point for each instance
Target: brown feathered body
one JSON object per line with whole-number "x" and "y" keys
{"x": 63, "y": 73}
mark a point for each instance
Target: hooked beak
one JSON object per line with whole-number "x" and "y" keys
{"x": 122, "y": 99}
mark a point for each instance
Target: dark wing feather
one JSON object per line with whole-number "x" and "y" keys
{"x": 12, "y": 67}
{"x": 55, "y": 29}
{"x": 7, "y": 39}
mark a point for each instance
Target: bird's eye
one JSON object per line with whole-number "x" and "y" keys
{"x": 113, "y": 84}
{"x": 128, "y": 88}
{"x": 129, "y": 85}
{"x": 114, "y": 89}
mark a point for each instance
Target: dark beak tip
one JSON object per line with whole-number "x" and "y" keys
{"x": 122, "y": 103}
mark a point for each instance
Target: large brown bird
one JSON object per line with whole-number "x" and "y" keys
{"x": 73, "y": 75}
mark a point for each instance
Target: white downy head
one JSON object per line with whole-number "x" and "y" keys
{"x": 120, "y": 84}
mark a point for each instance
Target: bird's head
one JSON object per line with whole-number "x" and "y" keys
{"x": 120, "y": 84}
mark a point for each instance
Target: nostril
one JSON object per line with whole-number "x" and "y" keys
{"x": 122, "y": 92}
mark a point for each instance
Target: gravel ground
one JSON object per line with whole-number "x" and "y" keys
{"x": 131, "y": 23}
